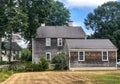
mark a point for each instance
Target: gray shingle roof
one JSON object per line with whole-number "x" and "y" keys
{"x": 60, "y": 31}
{"x": 90, "y": 44}
{"x": 15, "y": 46}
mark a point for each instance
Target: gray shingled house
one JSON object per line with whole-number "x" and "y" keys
{"x": 95, "y": 53}
{"x": 16, "y": 51}
{"x": 83, "y": 53}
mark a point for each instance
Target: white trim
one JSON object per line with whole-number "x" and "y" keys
{"x": 58, "y": 41}
{"x": 102, "y": 56}
{"x": 79, "y": 55}
{"x": 93, "y": 49}
{"x": 49, "y": 54}
{"x": 48, "y": 41}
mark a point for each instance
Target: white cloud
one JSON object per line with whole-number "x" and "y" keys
{"x": 84, "y": 3}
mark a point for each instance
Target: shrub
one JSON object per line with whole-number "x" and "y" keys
{"x": 26, "y": 55}
{"x": 44, "y": 65}
{"x": 60, "y": 61}
{"x": 3, "y": 62}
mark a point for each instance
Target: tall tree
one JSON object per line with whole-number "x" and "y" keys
{"x": 59, "y": 15}
{"x": 38, "y": 12}
{"x": 16, "y": 21}
{"x": 2, "y": 23}
{"x": 105, "y": 22}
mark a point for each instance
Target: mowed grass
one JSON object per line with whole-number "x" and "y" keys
{"x": 5, "y": 75}
{"x": 65, "y": 77}
{"x": 106, "y": 78}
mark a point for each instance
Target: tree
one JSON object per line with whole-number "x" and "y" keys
{"x": 37, "y": 12}
{"x": 2, "y": 22}
{"x": 105, "y": 22}
{"x": 16, "y": 21}
{"x": 59, "y": 15}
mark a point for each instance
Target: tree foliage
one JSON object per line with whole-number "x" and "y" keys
{"x": 16, "y": 21}
{"x": 37, "y": 12}
{"x": 2, "y": 22}
{"x": 105, "y": 22}
{"x": 59, "y": 15}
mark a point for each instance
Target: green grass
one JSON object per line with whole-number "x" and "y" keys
{"x": 110, "y": 78}
{"x": 5, "y": 75}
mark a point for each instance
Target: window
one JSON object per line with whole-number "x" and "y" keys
{"x": 81, "y": 56}
{"x": 104, "y": 56}
{"x": 59, "y": 41}
{"x": 48, "y": 42}
{"x": 48, "y": 56}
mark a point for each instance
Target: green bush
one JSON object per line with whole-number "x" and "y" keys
{"x": 19, "y": 69}
{"x": 26, "y": 55}
{"x": 60, "y": 61}
{"x": 42, "y": 65}
{"x": 3, "y": 62}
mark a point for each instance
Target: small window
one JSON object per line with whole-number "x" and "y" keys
{"x": 48, "y": 42}
{"x": 48, "y": 56}
{"x": 81, "y": 56}
{"x": 59, "y": 41}
{"x": 14, "y": 58}
{"x": 104, "y": 56}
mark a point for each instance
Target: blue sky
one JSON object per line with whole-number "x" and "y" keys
{"x": 79, "y": 10}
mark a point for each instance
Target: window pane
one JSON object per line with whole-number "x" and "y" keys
{"x": 104, "y": 55}
{"x": 48, "y": 42}
{"x": 59, "y": 41}
{"x": 48, "y": 56}
{"x": 81, "y": 56}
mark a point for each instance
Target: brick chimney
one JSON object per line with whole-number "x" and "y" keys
{"x": 70, "y": 23}
{"x": 42, "y": 24}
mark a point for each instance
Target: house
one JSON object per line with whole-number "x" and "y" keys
{"x": 95, "y": 53}
{"x": 83, "y": 53}
{"x": 16, "y": 51}
{"x": 50, "y": 40}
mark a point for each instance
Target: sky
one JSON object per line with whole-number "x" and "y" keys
{"x": 79, "y": 10}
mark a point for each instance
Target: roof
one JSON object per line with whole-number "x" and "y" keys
{"x": 90, "y": 44}
{"x": 60, "y": 32}
{"x": 6, "y": 46}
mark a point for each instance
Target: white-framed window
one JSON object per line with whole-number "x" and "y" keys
{"x": 81, "y": 56}
{"x": 48, "y": 56}
{"x": 59, "y": 41}
{"x": 104, "y": 55}
{"x": 48, "y": 41}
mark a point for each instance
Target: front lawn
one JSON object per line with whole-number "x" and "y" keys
{"x": 5, "y": 75}
{"x": 66, "y": 77}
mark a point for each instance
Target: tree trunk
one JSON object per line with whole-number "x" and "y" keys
{"x": 10, "y": 48}
{"x": 0, "y": 49}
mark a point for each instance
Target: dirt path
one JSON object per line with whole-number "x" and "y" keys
{"x": 47, "y": 78}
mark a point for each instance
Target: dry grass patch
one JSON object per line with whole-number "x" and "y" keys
{"x": 65, "y": 77}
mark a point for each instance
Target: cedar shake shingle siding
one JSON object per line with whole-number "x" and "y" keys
{"x": 93, "y": 52}
{"x": 92, "y": 59}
